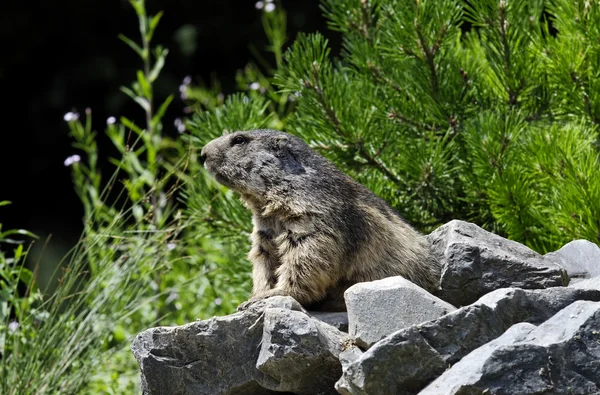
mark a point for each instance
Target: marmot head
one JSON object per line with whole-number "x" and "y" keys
{"x": 253, "y": 162}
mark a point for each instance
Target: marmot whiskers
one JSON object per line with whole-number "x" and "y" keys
{"x": 316, "y": 230}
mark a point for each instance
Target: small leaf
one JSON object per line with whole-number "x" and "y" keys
{"x": 18, "y": 252}
{"x": 161, "y": 110}
{"x": 26, "y": 276}
{"x": 152, "y": 25}
{"x": 145, "y": 104}
{"x": 160, "y": 62}
{"x": 129, "y": 124}
{"x": 5, "y": 202}
{"x": 17, "y": 232}
{"x": 138, "y": 6}
{"x": 144, "y": 84}
{"x": 128, "y": 92}
{"x": 132, "y": 45}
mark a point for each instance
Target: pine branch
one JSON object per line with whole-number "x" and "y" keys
{"x": 337, "y": 125}
{"x": 367, "y": 22}
{"x": 378, "y": 75}
{"x": 429, "y": 55}
{"x": 513, "y": 94}
{"x": 393, "y": 114}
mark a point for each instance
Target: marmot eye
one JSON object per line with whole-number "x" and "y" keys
{"x": 239, "y": 139}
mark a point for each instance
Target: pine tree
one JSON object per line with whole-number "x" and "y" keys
{"x": 485, "y": 111}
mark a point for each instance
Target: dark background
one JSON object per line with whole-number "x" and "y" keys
{"x": 60, "y": 56}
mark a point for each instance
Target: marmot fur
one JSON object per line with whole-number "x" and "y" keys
{"x": 316, "y": 230}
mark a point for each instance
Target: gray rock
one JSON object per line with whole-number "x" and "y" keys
{"x": 476, "y": 262}
{"x": 338, "y": 319}
{"x": 350, "y": 354}
{"x": 561, "y": 356}
{"x": 590, "y": 283}
{"x": 580, "y": 258}
{"x": 407, "y": 360}
{"x": 215, "y": 356}
{"x": 299, "y": 353}
{"x": 379, "y": 308}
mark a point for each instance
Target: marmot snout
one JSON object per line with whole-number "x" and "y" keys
{"x": 316, "y": 231}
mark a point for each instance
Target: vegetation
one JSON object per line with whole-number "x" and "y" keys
{"x": 484, "y": 111}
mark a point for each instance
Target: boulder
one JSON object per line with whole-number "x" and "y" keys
{"x": 561, "y": 356}
{"x": 407, "y": 360}
{"x": 580, "y": 258}
{"x": 299, "y": 353}
{"x": 590, "y": 283}
{"x": 379, "y": 308}
{"x": 249, "y": 352}
{"x": 476, "y": 262}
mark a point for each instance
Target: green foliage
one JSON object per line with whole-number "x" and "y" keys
{"x": 455, "y": 109}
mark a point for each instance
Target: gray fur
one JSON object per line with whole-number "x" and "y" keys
{"x": 316, "y": 230}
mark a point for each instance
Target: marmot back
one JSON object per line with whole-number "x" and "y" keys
{"x": 316, "y": 230}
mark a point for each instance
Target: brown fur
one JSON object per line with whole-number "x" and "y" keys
{"x": 316, "y": 231}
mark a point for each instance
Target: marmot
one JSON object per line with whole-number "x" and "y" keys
{"x": 316, "y": 230}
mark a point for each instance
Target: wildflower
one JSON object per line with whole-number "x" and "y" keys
{"x": 269, "y": 7}
{"x": 171, "y": 246}
{"x": 72, "y": 159}
{"x": 255, "y": 86}
{"x": 111, "y": 120}
{"x": 259, "y": 5}
{"x": 13, "y": 326}
{"x": 179, "y": 125}
{"x": 71, "y": 116}
{"x": 183, "y": 91}
{"x": 187, "y": 80}
{"x": 218, "y": 301}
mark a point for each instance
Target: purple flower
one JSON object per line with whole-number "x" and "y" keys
{"x": 72, "y": 159}
{"x": 179, "y": 125}
{"x": 71, "y": 116}
{"x": 13, "y": 326}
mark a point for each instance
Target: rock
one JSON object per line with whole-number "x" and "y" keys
{"x": 215, "y": 356}
{"x": 299, "y": 352}
{"x": 337, "y": 319}
{"x": 580, "y": 258}
{"x": 407, "y": 360}
{"x": 476, "y": 262}
{"x": 590, "y": 283}
{"x": 378, "y": 308}
{"x": 350, "y": 354}
{"x": 561, "y": 356}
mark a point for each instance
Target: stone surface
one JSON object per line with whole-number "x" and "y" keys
{"x": 337, "y": 319}
{"x": 378, "y": 308}
{"x": 299, "y": 353}
{"x": 580, "y": 258}
{"x": 407, "y": 360}
{"x": 590, "y": 283}
{"x": 476, "y": 262}
{"x": 215, "y": 356}
{"x": 561, "y": 356}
